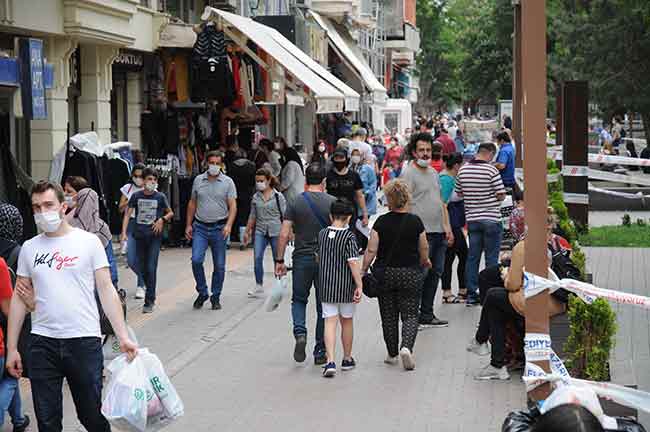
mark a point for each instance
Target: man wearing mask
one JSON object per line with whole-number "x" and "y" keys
{"x": 211, "y": 213}
{"x": 359, "y": 142}
{"x": 342, "y": 182}
{"x": 427, "y": 203}
{"x": 64, "y": 266}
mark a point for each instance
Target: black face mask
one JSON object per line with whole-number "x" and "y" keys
{"x": 340, "y": 165}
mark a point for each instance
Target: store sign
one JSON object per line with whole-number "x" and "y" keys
{"x": 33, "y": 78}
{"x": 129, "y": 60}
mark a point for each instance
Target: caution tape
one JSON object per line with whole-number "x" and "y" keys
{"x": 637, "y": 195}
{"x": 618, "y": 178}
{"x": 550, "y": 178}
{"x": 576, "y": 198}
{"x": 555, "y": 154}
{"x": 575, "y": 171}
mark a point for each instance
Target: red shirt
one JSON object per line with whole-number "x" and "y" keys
{"x": 436, "y": 164}
{"x": 6, "y": 292}
{"x": 393, "y": 154}
{"x": 448, "y": 144}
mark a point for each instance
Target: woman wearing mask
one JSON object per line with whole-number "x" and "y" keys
{"x": 366, "y": 171}
{"x": 274, "y": 158}
{"x": 266, "y": 216}
{"x": 319, "y": 154}
{"x": 71, "y": 186}
{"x": 135, "y": 185}
{"x": 293, "y": 175}
{"x": 456, "y": 210}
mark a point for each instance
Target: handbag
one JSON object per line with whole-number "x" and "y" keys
{"x": 373, "y": 282}
{"x": 104, "y": 323}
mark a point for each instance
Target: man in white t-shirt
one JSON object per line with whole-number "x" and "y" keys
{"x": 359, "y": 143}
{"x": 63, "y": 266}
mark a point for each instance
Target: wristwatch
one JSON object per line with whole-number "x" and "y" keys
{"x": 279, "y": 261}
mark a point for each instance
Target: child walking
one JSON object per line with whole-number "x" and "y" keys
{"x": 339, "y": 273}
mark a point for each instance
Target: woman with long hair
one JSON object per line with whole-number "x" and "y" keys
{"x": 266, "y": 216}
{"x": 292, "y": 177}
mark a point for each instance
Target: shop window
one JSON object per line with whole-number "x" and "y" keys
{"x": 391, "y": 121}
{"x": 185, "y": 10}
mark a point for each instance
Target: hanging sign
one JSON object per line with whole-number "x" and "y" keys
{"x": 32, "y": 78}
{"x": 129, "y": 60}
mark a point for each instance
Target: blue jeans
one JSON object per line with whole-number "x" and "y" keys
{"x": 132, "y": 254}
{"x": 484, "y": 236}
{"x": 204, "y": 236}
{"x": 437, "y": 252}
{"x": 80, "y": 362}
{"x": 112, "y": 262}
{"x": 305, "y": 274}
{"x": 260, "y": 244}
{"x": 148, "y": 249}
{"x": 10, "y": 398}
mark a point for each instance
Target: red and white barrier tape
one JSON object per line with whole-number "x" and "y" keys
{"x": 556, "y": 154}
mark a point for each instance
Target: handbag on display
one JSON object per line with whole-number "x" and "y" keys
{"x": 373, "y": 282}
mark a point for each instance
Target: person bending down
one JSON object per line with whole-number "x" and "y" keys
{"x": 340, "y": 281}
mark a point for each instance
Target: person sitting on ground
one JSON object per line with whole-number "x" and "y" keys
{"x": 568, "y": 418}
{"x": 630, "y": 151}
{"x": 502, "y": 305}
{"x": 340, "y": 281}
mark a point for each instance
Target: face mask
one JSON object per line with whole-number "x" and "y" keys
{"x": 151, "y": 186}
{"x": 340, "y": 165}
{"x": 321, "y": 148}
{"x": 356, "y": 159}
{"x": 261, "y": 186}
{"x": 422, "y": 163}
{"x": 48, "y": 222}
{"x": 69, "y": 201}
{"x": 138, "y": 181}
{"x": 214, "y": 170}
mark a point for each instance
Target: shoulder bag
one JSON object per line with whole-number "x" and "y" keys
{"x": 374, "y": 281}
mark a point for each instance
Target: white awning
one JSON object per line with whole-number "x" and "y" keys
{"x": 328, "y": 98}
{"x": 348, "y": 50}
{"x": 351, "y": 96}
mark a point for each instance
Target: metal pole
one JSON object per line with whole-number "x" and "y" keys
{"x": 516, "y": 86}
{"x": 533, "y": 74}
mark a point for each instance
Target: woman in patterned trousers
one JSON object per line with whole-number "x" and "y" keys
{"x": 398, "y": 242}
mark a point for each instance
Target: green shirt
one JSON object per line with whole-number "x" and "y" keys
{"x": 447, "y": 184}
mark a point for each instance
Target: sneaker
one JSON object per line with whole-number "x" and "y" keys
{"x": 329, "y": 370}
{"x": 391, "y": 360}
{"x": 433, "y": 323}
{"x": 147, "y": 308}
{"x": 320, "y": 359}
{"x": 489, "y": 372}
{"x": 139, "y": 293}
{"x": 347, "y": 365}
{"x": 256, "y": 292}
{"x": 481, "y": 349}
{"x": 216, "y": 305}
{"x": 22, "y": 427}
{"x": 299, "y": 354}
{"x": 198, "y": 303}
{"x": 407, "y": 359}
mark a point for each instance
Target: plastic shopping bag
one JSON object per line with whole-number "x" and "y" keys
{"x": 276, "y": 295}
{"x": 111, "y": 347}
{"x": 288, "y": 255}
{"x": 172, "y": 405}
{"x": 125, "y": 405}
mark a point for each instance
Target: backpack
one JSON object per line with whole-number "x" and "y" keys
{"x": 564, "y": 268}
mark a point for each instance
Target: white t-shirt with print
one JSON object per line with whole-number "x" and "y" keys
{"x": 62, "y": 270}
{"x": 128, "y": 190}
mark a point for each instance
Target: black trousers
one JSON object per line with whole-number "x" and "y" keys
{"x": 400, "y": 298}
{"x": 489, "y": 277}
{"x": 458, "y": 249}
{"x": 496, "y": 312}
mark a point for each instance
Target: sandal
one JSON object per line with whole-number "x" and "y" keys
{"x": 452, "y": 299}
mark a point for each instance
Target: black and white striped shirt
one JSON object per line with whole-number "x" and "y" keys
{"x": 336, "y": 246}
{"x": 479, "y": 182}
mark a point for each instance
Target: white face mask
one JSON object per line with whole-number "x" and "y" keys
{"x": 261, "y": 186}
{"x": 422, "y": 163}
{"x": 151, "y": 186}
{"x": 214, "y": 170}
{"x": 69, "y": 201}
{"x": 356, "y": 159}
{"x": 138, "y": 181}
{"x": 321, "y": 148}
{"x": 48, "y": 222}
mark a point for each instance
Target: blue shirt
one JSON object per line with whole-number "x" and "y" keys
{"x": 507, "y": 158}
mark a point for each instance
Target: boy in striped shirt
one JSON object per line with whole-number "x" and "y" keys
{"x": 339, "y": 273}
{"x": 479, "y": 183}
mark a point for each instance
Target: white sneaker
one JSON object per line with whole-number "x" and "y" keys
{"x": 407, "y": 359}
{"x": 139, "y": 293}
{"x": 256, "y": 292}
{"x": 391, "y": 360}
{"x": 489, "y": 372}
{"x": 478, "y": 348}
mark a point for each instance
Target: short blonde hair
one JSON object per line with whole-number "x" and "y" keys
{"x": 397, "y": 194}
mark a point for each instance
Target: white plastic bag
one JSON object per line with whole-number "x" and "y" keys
{"x": 163, "y": 388}
{"x": 276, "y": 295}
{"x": 288, "y": 255}
{"x": 125, "y": 405}
{"x": 111, "y": 348}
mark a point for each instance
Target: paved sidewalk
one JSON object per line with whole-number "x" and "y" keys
{"x": 235, "y": 372}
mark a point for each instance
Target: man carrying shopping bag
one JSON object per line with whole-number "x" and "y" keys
{"x": 63, "y": 266}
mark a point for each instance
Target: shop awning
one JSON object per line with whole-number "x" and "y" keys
{"x": 328, "y": 98}
{"x": 347, "y": 49}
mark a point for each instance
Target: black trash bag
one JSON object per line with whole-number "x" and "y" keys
{"x": 628, "y": 425}
{"x": 523, "y": 421}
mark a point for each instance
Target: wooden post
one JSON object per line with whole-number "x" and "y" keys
{"x": 575, "y": 141}
{"x": 533, "y": 80}
{"x": 516, "y": 86}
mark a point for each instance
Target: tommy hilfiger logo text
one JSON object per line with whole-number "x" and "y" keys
{"x": 56, "y": 260}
